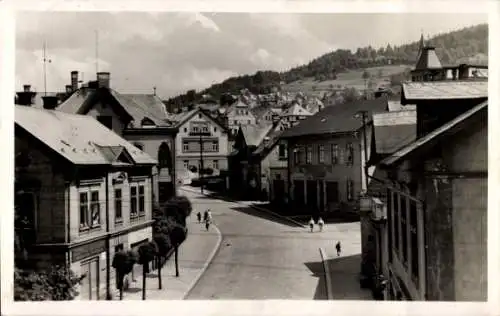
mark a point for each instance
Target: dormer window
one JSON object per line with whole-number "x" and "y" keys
{"x": 147, "y": 122}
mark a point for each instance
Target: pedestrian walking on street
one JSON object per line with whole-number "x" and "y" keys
{"x": 205, "y": 215}
{"x": 321, "y": 223}
{"x": 311, "y": 224}
{"x": 209, "y": 215}
{"x": 207, "y": 223}
{"x": 199, "y": 217}
{"x": 338, "y": 247}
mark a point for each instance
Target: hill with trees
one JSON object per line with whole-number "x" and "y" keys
{"x": 466, "y": 45}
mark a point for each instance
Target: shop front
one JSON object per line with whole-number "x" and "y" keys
{"x": 89, "y": 260}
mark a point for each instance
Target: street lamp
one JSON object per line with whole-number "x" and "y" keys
{"x": 363, "y": 116}
{"x": 200, "y": 134}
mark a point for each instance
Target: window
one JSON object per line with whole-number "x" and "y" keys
{"x": 118, "y": 205}
{"x": 142, "y": 201}
{"x": 309, "y": 154}
{"x": 90, "y": 213}
{"x": 215, "y": 164}
{"x": 204, "y": 129}
{"x": 199, "y": 115}
{"x": 106, "y": 120}
{"x": 164, "y": 156}
{"x": 185, "y": 129}
{"x": 133, "y": 201}
{"x": 84, "y": 210}
{"x": 139, "y": 145}
{"x": 215, "y": 145}
{"x": 185, "y": 146}
{"x": 186, "y": 164}
{"x": 296, "y": 155}
{"x": 349, "y": 154}
{"x": 350, "y": 190}
{"x": 235, "y": 122}
{"x": 215, "y": 129}
{"x": 395, "y": 202}
{"x": 335, "y": 154}
{"x": 321, "y": 153}
{"x": 118, "y": 248}
{"x": 282, "y": 152}
{"x": 404, "y": 229}
{"x": 248, "y": 122}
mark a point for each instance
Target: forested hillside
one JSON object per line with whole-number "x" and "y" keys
{"x": 466, "y": 45}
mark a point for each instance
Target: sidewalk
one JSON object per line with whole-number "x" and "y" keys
{"x": 195, "y": 254}
{"x": 253, "y": 204}
{"x": 342, "y": 276}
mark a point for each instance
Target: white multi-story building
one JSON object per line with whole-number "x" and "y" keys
{"x": 187, "y": 143}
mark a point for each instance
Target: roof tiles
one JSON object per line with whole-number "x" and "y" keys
{"x": 78, "y": 138}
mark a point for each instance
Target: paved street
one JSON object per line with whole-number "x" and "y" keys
{"x": 262, "y": 257}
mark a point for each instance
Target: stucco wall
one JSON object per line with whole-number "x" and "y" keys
{"x": 208, "y": 157}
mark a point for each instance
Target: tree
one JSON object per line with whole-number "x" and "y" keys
{"x": 178, "y": 207}
{"x": 147, "y": 253}
{"x": 56, "y": 284}
{"x": 123, "y": 262}
{"x": 163, "y": 245}
{"x": 177, "y": 235}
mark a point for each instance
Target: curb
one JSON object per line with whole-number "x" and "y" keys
{"x": 328, "y": 277}
{"x": 250, "y": 205}
{"x": 206, "y": 264}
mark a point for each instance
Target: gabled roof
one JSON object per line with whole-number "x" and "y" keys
{"x": 393, "y": 130}
{"x": 480, "y": 111}
{"x": 135, "y": 106}
{"x": 254, "y": 134}
{"x": 337, "y": 119}
{"x": 394, "y": 106}
{"x": 149, "y": 103}
{"x": 273, "y": 137}
{"x": 181, "y": 118}
{"x": 80, "y": 139}
{"x": 441, "y": 90}
{"x": 294, "y": 110}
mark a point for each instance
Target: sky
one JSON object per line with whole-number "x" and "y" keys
{"x": 175, "y": 52}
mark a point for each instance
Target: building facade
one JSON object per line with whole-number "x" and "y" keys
{"x": 239, "y": 114}
{"x": 140, "y": 118}
{"x": 81, "y": 194}
{"x": 326, "y": 157}
{"x": 196, "y": 127}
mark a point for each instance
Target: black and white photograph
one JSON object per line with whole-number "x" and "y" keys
{"x": 216, "y": 156}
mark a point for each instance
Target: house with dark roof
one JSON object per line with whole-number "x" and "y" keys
{"x": 201, "y": 143}
{"x": 429, "y": 237}
{"x": 82, "y": 193}
{"x": 258, "y": 162}
{"x": 239, "y": 114}
{"x": 139, "y": 118}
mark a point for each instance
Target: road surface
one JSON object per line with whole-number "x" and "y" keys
{"x": 263, "y": 257}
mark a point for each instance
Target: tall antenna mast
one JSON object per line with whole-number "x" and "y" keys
{"x": 45, "y": 60}
{"x": 96, "y": 52}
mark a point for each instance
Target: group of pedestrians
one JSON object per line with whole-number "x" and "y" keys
{"x": 321, "y": 224}
{"x": 207, "y": 218}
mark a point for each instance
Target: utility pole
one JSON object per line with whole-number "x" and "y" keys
{"x": 363, "y": 115}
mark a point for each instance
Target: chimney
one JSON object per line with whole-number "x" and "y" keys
{"x": 26, "y": 96}
{"x": 93, "y": 84}
{"x": 103, "y": 79}
{"x": 50, "y": 102}
{"x": 463, "y": 72}
{"x": 69, "y": 89}
{"x": 74, "y": 80}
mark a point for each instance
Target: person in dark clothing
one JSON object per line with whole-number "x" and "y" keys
{"x": 198, "y": 215}
{"x": 207, "y": 223}
{"x": 338, "y": 247}
{"x": 205, "y": 216}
